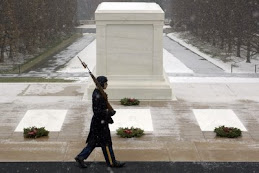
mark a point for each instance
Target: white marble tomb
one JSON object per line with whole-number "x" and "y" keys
{"x": 129, "y": 51}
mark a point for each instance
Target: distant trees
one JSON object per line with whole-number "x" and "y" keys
{"x": 227, "y": 24}
{"x": 27, "y": 25}
{"x": 8, "y": 29}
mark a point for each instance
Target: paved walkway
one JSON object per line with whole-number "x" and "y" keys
{"x": 191, "y": 60}
{"x": 176, "y": 136}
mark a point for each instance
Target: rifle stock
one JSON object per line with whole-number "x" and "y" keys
{"x": 98, "y": 86}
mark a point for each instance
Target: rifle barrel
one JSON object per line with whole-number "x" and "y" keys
{"x": 97, "y": 84}
{"x": 83, "y": 64}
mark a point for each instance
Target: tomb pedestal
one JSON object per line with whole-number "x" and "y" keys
{"x": 129, "y": 51}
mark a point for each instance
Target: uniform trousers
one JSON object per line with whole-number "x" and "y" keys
{"x": 107, "y": 152}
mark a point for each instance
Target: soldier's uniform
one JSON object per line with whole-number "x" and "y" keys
{"x": 99, "y": 135}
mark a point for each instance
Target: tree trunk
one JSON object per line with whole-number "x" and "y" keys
{"x": 2, "y": 50}
{"x": 213, "y": 39}
{"x": 248, "y": 60}
{"x": 238, "y": 46}
{"x": 2, "y": 55}
{"x": 229, "y": 45}
{"x": 222, "y": 43}
{"x": 208, "y": 38}
{"x": 11, "y": 52}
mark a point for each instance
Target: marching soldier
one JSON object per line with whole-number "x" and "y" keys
{"x": 99, "y": 135}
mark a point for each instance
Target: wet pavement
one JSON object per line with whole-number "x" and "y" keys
{"x": 176, "y": 138}
{"x": 193, "y": 61}
{"x": 177, "y": 143}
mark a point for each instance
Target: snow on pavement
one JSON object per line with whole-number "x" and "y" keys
{"x": 218, "y": 63}
{"x": 173, "y": 65}
{"x": 88, "y": 55}
{"x": 212, "y": 80}
{"x": 239, "y": 66}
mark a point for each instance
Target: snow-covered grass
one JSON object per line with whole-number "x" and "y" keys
{"x": 216, "y": 56}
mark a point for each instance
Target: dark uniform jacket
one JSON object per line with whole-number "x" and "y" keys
{"x": 99, "y": 134}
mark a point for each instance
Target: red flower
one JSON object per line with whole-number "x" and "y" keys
{"x": 226, "y": 129}
{"x": 128, "y": 131}
{"x": 31, "y": 133}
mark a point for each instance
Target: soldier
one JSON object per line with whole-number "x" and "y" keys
{"x": 99, "y": 135}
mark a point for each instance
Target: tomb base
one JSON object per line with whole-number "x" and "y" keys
{"x": 139, "y": 87}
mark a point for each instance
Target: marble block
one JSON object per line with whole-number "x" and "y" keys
{"x": 209, "y": 119}
{"x": 140, "y": 118}
{"x": 51, "y": 119}
{"x": 129, "y": 50}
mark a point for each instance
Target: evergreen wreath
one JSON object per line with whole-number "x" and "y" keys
{"x": 129, "y": 101}
{"x": 129, "y": 132}
{"x": 229, "y": 132}
{"x": 34, "y": 132}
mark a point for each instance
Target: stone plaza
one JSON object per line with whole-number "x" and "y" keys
{"x": 179, "y": 133}
{"x": 176, "y": 135}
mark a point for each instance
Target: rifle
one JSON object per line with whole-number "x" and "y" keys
{"x": 98, "y": 86}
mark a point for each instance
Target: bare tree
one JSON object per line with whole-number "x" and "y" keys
{"x": 27, "y": 25}
{"x": 9, "y": 29}
{"x": 228, "y": 24}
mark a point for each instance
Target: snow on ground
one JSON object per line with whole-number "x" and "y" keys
{"x": 219, "y": 80}
{"x": 224, "y": 66}
{"x": 238, "y": 66}
{"x": 166, "y": 26}
{"x": 173, "y": 65}
{"x": 87, "y": 55}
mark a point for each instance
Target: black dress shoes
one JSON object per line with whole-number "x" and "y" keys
{"x": 81, "y": 162}
{"x": 118, "y": 164}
